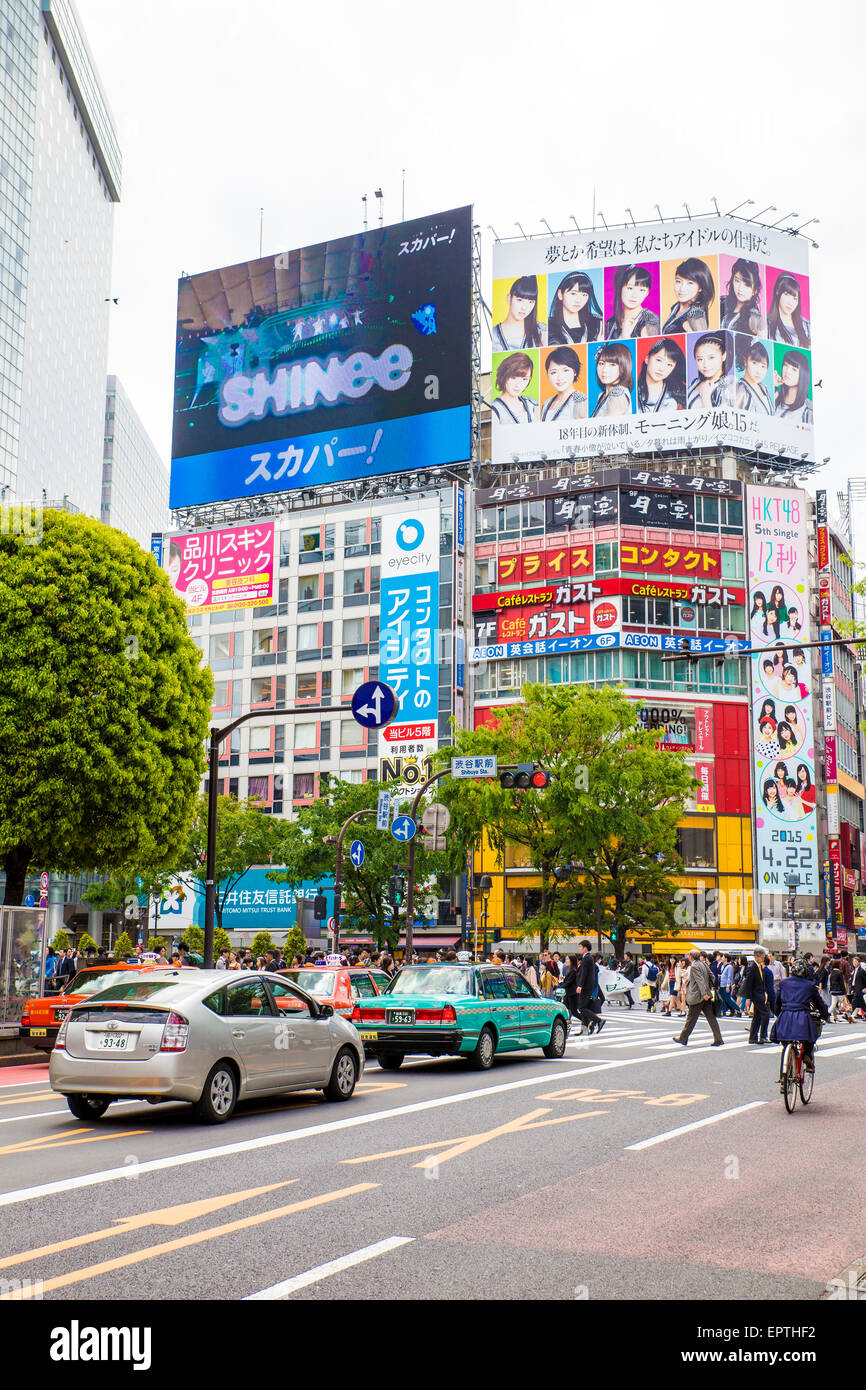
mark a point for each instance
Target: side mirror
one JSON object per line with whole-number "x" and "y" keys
{"x": 326, "y": 1011}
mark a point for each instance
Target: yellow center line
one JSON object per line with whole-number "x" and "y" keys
{"x": 34, "y": 1095}
{"x": 166, "y": 1216}
{"x": 455, "y": 1147}
{"x": 151, "y": 1252}
{"x": 40, "y": 1145}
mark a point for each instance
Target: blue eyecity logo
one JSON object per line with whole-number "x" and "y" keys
{"x": 410, "y": 534}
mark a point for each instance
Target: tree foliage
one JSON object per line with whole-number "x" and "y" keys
{"x": 245, "y": 836}
{"x": 103, "y": 704}
{"x": 295, "y": 944}
{"x": 602, "y": 836}
{"x": 87, "y": 943}
{"x": 305, "y": 856}
{"x": 122, "y": 946}
{"x": 60, "y": 940}
{"x": 262, "y": 942}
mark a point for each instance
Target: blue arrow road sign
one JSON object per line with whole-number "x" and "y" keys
{"x": 356, "y": 853}
{"x": 403, "y": 828}
{"x": 374, "y": 704}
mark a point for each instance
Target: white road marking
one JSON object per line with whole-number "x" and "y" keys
{"x": 313, "y": 1276}
{"x": 697, "y": 1124}
{"x": 592, "y": 1067}
{"x": 836, "y": 1051}
{"x": 61, "y": 1110}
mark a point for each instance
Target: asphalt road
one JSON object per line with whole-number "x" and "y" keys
{"x": 608, "y": 1174}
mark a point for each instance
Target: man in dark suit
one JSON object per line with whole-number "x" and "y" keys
{"x": 66, "y": 970}
{"x": 587, "y": 980}
{"x": 857, "y": 985}
{"x": 757, "y": 983}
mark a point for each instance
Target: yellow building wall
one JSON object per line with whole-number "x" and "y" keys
{"x": 730, "y": 879}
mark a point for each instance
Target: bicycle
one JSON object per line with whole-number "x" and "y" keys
{"x": 794, "y": 1077}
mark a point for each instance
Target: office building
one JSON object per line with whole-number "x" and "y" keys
{"x": 134, "y": 477}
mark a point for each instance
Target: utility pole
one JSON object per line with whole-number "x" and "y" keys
{"x": 410, "y": 886}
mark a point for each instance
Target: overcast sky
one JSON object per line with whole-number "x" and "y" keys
{"x": 520, "y": 109}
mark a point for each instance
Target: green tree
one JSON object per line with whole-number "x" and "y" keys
{"x": 87, "y": 943}
{"x": 295, "y": 944}
{"x": 262, "y": 942}
{"x": 60, "y": 940}
{"x": 125, "y": 888}
{"x": 245, "y": 836}
{"x": 154, "y": 943}
{"x": 103, "y": 704}
{"x": 305, "y": 856}
{"x": 122, "y": 946}
{"x": 604, "y": 828}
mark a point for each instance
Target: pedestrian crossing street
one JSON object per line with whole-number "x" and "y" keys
{"x": 636, "y": 1030}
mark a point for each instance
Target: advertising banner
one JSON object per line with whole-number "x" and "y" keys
{"x": 350, "y": 359}
{"x": 830, "y": 757}
{"x": 826, "y": 653}
{"x": 703, "y": 562}
{"x": 705, "y": 793}
{"x": 225, "y": 569}
{"x": 833, "y": 810}
{"x": 824, "y": 601}
{"x": 712, "y": 595}
{"x": 781, "y": 683}
{"x": 690, "y": 333}
{"x": 646, "y": 641}
{"x": 835, "y": 853}
{"x": 535, "y": 488}
{"x": 408, "y": 656}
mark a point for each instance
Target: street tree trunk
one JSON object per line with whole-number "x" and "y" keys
{"x": 15, "y": 863}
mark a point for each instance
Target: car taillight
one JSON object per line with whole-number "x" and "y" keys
{"x": 448, "y": 1014}
{"x": 367, "y": 1015}
{"x": 175, "y": 1034}
{"x": 428, "y": 1015}
{"x": 61, "y": 1036}
{"x": 25, "y": 1017}
{"x": 356, "y": 1014}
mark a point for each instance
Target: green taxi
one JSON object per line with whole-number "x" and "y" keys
{"x": 474, "y": 1011}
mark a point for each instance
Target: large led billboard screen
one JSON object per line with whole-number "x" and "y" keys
{"x": 346, "y": 360}
{"x": 693, "y": 333}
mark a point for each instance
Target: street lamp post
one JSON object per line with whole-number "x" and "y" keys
{"x": 338, "y": 870}
{"x": 218, "y": 736}
{"x": 485, "y": 887}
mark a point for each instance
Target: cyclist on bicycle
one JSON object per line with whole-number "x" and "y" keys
{"x": 797, "y": 1001}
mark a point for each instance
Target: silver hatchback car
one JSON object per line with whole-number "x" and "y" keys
{"x": 211, "y": 1037}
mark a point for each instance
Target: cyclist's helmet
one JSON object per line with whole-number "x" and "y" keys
{"x": 800, "y": 968}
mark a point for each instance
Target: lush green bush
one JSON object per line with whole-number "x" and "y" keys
{"x": 262, "y": 942}
{"x": 194, "y": 939}
{"x": 87, "y": 943}
{"x": 122, "y": 946}
{"x": 60, "y": 941}
{"x": 295, "y": 945}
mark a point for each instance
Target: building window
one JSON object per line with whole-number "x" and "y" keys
{"x": 260, "y": 739}
{"x": 355, "y": 582}
{"x": 220, "y": 695}
{"x": 353, "y": 632}
{"x": 306, "y": 687}
{"x": 308, "y": 637}
{"x": 310, "y": 540}
{"x": 306, "y": 736}
{"x": 263, "y": 641}
{"x": 260, "y": 789}
{"x": 308, "y": 588}
{"x": 351, "y": 734}
{"x": 303, "y": 786}
{"x": 351, "y": 678}
{"x": 261, "y": 690}
{"x": 696, "y": 848}
{"x": 733, "y": 564}
{"x": 605, "y": 557}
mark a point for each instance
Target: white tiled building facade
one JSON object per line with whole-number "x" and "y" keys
{"x": 134, "y": 477}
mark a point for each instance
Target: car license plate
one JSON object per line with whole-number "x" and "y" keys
{"x": 60, "y": 1014}
{"x": 366, "y": 1035}
{"x": 39, "y": 1032}
{"x": 406, "y": 1016}
{"x": 113, "y": 1042}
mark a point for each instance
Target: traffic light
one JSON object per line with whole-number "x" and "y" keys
{"x": 320, "y": 908}
{"x": 396, "y": 890}
{"x": 525, "y": 775}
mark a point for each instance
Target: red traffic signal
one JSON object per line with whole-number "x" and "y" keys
{"x": 540, "y": 778}
{"x": 525, "y": 775}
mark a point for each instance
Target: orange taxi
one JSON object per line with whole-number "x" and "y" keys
{"x": 41, "y": 1019}
{"x": 339, "y": 986}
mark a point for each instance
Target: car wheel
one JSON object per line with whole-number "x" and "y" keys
{"x": 217, "y": 1101}
{"x": 88, "y": 1107}
{"x": 558, "y": 1039}
{"x": 391, "y": 1061}
{"x": 344, "y": 1076}
{"x": 482, "y": 1058}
